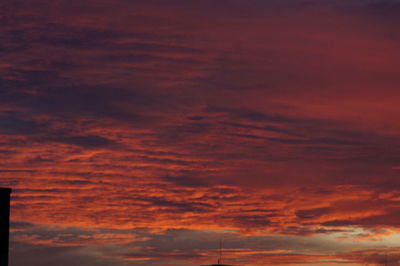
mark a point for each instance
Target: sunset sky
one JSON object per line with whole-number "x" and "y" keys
{"x": 145, "y": 132}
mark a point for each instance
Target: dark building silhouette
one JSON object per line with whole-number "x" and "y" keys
{"x": 4, "y": 224}
{"x": 218, "y": 264}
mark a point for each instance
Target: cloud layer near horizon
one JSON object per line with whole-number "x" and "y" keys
{"x": 125, "y": 124}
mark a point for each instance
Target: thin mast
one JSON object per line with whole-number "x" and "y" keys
{"x": 220, "y": 252}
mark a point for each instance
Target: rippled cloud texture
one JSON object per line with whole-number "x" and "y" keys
{"x": 144, "y": 132}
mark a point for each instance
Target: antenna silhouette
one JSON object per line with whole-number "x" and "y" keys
{"x": 219, "y": 261}
{"x": 386, "y": 259}
{"x": 220, "y": 252}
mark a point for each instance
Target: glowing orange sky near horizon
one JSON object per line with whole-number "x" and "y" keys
{"x": 143, "y": 132}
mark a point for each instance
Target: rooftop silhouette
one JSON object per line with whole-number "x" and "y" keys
{"x": 4, "y": 224}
